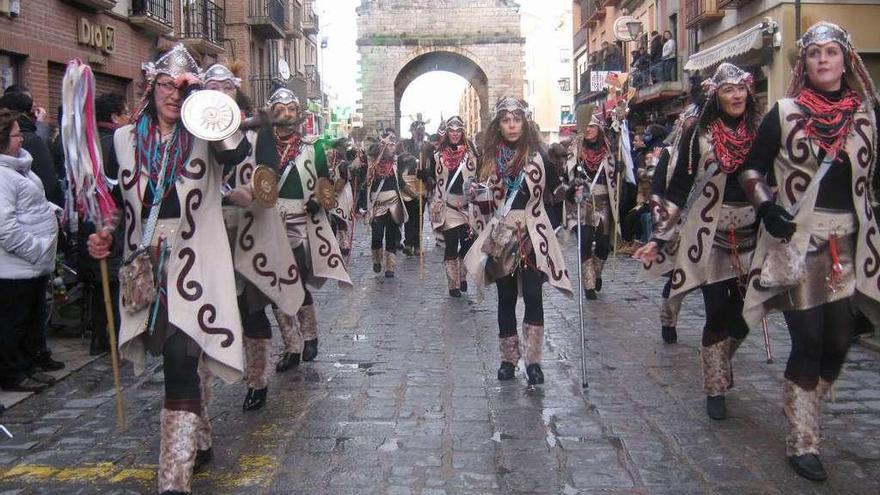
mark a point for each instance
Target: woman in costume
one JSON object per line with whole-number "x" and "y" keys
{"x": 266, "y": 272}
{"x": 816, "y": 259}
{"x": 385, "y": 208}
{"x": 591, "y": 187}
{"x": 518, "y": 249}
{"x": 171, "y": 191}
{"x": 718, "y": 236}
{"x": 451, "y": 214}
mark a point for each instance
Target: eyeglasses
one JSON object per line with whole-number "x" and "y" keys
{"x": 167, "y": 86}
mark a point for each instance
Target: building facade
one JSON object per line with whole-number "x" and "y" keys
{"x": 761, "y": 36}
{"x": 113, "y": 36}
{"x": 277, "y": 41}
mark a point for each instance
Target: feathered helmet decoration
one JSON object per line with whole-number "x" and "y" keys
{"x": 511, "y": 104}
{"x": 857, "y": 77}
{"x": 220, "y": 72}
{"x": 727, "y": 73}
{"x": 175, "y": 62}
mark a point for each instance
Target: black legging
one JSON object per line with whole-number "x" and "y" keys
{"x": 532, "y": 280}
{"x": 255, "y": 324}
{"x": 383, "y": 227}
{"x": 413, "y": 224}
{"x": 183, "y": 390}
{"x": 724, "y": 304}
{"x": 305, "y": 272}
{"x": 457, "y": 242}
{"x": 820, "y": 339}
{"x": 589, "y": 234}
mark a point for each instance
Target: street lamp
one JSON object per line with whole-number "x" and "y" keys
{"x": 635, "y": 29}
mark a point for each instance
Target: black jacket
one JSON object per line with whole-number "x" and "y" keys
{"x": 43, "y": 164}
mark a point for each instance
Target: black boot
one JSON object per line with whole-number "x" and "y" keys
{"x": 389, "y": 274}
{"x": 255, "y": 399}
{"x": 288, "y": 360}
{"x": 455, "y": 292}
{"x": 716, "y": 408}
{"x": 599, "y": 284}
{"x": 464, "y": 286}
{"x": 408, "y": 250}
{"x": 536, "y": 376}
{"x": 670, "y": 335}
{"x": 809, "y": 466}
{"x": 507, "y": 371}
{"x": 590, "y": 294}
{"x": 203, "y": 457}
{"x": 377, "y": 267}
{"x": 44, "y": 361}
{"x": 310, "y": 350}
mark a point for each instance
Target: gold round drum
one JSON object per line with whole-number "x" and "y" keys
{"x": 264, "y": 183}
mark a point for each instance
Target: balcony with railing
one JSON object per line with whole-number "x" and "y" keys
{"x": 700, "y": 12}
{"x": 154, "y": 16}
{"x": 310, "y": 24}
{"x": 95, "y": 5}
{"x": 294, "y": 27}
{"x": 595, "y": 12}
{"x": 261, "y": 87}
{"x": 267, "y": 18}
{"x": 201, "y": 28}
{"x": 656, "y": 82}
{"x": 313, "y": 82}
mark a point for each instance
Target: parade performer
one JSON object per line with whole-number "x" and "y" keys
{"x": 414, "y": 196}
{"x": 305, "y": 193}
{"x": 816, "y": 259}
{"x": 266, "y": 270}
{"x": 663, "y": 265}
{"x": 718, "y": 236}
{"x": 591, "y": 168}
{"x": 174, "y": 302}
{"x": 518, "y": 249}
{"x": 385, "y": 208}
{"x": 450, "y": 212}
{"x": 342, "y": 210}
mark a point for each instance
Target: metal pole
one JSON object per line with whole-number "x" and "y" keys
{"x": 767, "y": 341}
{"x": 578, "y": 201}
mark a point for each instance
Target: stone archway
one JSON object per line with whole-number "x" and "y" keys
{"x": 442, "y": 61}
{"x": 399, "y": 40}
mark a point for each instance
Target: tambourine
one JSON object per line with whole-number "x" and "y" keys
{"x": 264, "y": 183}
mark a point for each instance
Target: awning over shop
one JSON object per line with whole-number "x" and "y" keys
{"x": 751, "y": 39}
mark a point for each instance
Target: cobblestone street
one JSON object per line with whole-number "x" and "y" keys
{"x": 403, "y": 399}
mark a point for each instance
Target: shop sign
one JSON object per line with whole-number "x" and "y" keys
{"x": 102, "y": 37}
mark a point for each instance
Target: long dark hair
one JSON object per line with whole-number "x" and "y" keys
{"x": 529, "y": 142}
{"x": 7, "y": 120}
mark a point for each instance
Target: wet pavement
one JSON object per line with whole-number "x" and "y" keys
{"x": 403, "y": 399}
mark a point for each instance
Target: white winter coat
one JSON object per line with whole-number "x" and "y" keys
{"x": 28, "y": 225}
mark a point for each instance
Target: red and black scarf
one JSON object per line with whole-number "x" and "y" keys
{"x": 731, "y": 145}
{"x": 452, "y": 156}
{"x": 829, "y": 121}
{"x": 381, "y": 170}
{"x": 591, "y": 156}
{"x": 288, "y": 148}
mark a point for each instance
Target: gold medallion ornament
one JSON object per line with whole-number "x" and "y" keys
{"x": 325, "y": 194}
{"x": 210, "y": 115}
{"x": 264, "y": 183}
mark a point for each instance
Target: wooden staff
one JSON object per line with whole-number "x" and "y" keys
{"x": 421, "y": 223}
{"x": 111, "y": 335}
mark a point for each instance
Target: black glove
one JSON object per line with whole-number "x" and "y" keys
{"x": 312, "y": 207}
{"x": 778, "y": 222}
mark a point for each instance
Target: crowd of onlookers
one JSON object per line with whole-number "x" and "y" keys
{"x": 653, "y": 61}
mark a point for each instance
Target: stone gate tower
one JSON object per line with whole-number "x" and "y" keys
{"x": 400, "y": 40}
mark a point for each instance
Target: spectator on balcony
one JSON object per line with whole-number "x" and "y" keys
{"x": 668, "y": 56}
{"x": 612, "y": 58}
{"x": 656, "y": 49}
{"x": 641, "y": 66}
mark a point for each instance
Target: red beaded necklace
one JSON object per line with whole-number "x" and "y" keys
{"x": 288, "y": 148}
{"x": 731, "y": 145}
{"x": 828, "y": 122}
